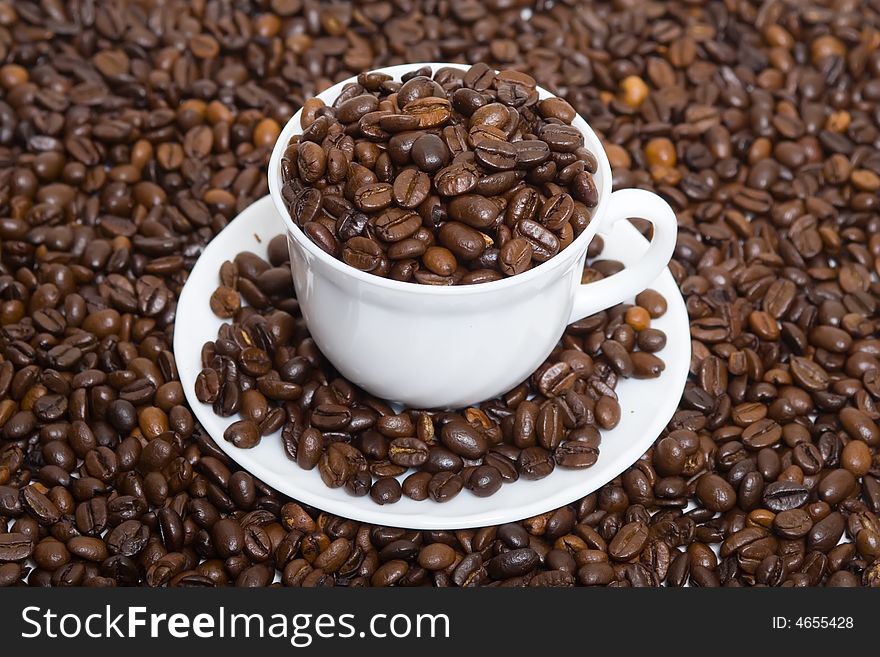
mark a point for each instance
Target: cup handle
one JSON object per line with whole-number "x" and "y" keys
{"x": 590, "y": 298}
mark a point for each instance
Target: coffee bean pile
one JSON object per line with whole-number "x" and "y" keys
{"x": 265, "y": 368}
{"x": 130, "y": 133}
{"x": 446, "y": 177}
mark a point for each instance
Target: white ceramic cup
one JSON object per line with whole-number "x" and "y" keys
{"x": 436, "y": 347}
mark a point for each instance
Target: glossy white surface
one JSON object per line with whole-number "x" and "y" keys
{"x": 646, "y": 405}
{"x": 438, "y": 347}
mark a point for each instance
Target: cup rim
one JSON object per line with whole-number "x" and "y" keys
{"x": 578, "y": 246}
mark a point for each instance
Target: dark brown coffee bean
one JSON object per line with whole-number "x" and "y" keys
{"x": 836, "y": 486}
{"x": 826, "y": 533}
{"x": 396, "y": 225}
{"x": 607, "y": 412}
{"x": 311, "y": 161}
{"x": 339, "y": 463}
{"x": 794, "y": 523}
{"x": 463, "y": 439}
{"x": 515, "y": 256}
{"x": 429, "y": 153}
{"x": 415, "y": 486}
{"x": 484, "y": 481}
{"x": 715, "y": 493}
{"x": 628, "y": 542}
{"x": 544, "y": 244}
{"x": 431, "y": 111}
{"x": 373, "y": 197}
{"x": 783, "y": 496}
{"x": 411, "y": 188}
{"x": 386, "y": 490}
{"x": 496, "y": 155}
{"x": 443, "y": 486}
{"x": 535, "y": 463}
{"x": 440, "y": 261}
{"x": 465, "y": 242}
{"x": 408, "y": 452}
{"x": 321, "y": 236}
{"x": 549, "y": 426}
{"x": 561, "y": 138}
{"x": 531, "y": 152}
{"x": 512, "y": 563}
{"x": 15, "y": 547}
{"x": 859, "y": 426}
{"x": 442, "y": 460}
{"x": 244, "y": 434}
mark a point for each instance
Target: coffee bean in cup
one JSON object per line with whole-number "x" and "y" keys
{"x": 446, "y": 177}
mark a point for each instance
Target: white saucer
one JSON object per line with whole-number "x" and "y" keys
{"x": 647, "y": 405}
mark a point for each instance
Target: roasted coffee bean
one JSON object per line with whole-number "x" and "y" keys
{"x": 650, "y": 341}
{"x": 576, "y": 455}
{"x": 309, "y": 448}
{"x": 794, "y": 523}
{"x": 429, "y": 153}
{"x": 385, "y": 490}
{"x": 362, "y": 253}
{"x": 646, "y": 365}
{"x": 463, "y": 241}
{"x": 436, "y": 556}
{"x": 826, "y": 533}
{"x": 408, "y": 452}
{"x": 484, "y": 481}
{"x": 531, "y": 152}
{"x": 225, "y": 302}
{"x": 515, "y": 256}
{"x": 535, "y": 463}
{"x": 836, "y": 486}
{"x": 39, "y": 506}
{"x": 228, "y": 537}
{"x": 473, "y": 210}
{"x": 339, "y": 463}
{"x": 410, "y": 188}
{"x": 244, "y": 434}
{"x": 512, "y": 563}
{"x": 607, "y": 412}
{"x": 442, "y": 460}
{"x": 415, "y": 486}
{"x": 440, "y": 261}
{"x": 443, "y": 486}
{"x": 715, "y": 493}
{"x": 15, "y": 547}
{"x": 396, "y": 225}
{"x": 784, "y": 495}
{"x": 544, "y": 243}
{"x": 359, "y": 485}
{"x": 859, "y": 426}
{"x": 550, "y": 426}
{"x": 496, "y": 155}
{"x": 628, "y": 542}
{"x": 463, "y": 439}
{"x": 618, "y": 356}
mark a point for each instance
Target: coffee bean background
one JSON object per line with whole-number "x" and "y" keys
{"x": 130, "y": 133}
